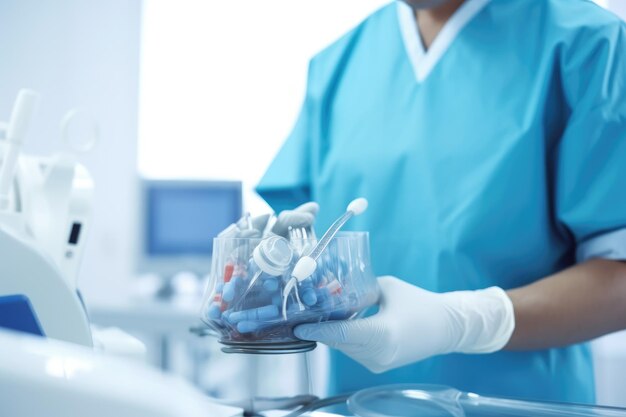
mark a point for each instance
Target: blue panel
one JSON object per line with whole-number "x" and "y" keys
{"x": 183, "y": 219}
{"x": 16, "y": 313}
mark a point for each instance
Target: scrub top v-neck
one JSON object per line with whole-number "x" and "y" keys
{"x": 494, "y": 158}
{"x": 423, "y": 60}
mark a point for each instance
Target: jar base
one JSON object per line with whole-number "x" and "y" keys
{"x": 278, "y": 348}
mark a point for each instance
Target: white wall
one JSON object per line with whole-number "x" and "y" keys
{"x": 82, "y": 53}
{"x": 222, "y": 81}
{"x": 618, "y": 7}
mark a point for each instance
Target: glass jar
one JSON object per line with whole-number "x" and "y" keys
{"x": 245, "y": 302}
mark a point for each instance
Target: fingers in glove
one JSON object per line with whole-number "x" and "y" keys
{"x": 292, "y": 218}
{"x": 310, "y": 207}
{"x": 364, "y": 340}
{"x": 339, "y": 332}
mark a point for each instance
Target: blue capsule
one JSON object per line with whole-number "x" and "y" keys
{"x": 226, "y": 315}
{"x": 267, "y": 312}
{"x": 323, "y": 294}
{"x": 270, "y": 284}
{"x": 248, "y": 326}
{"x": 231, "y": 289}
{"x": 214, "y": 312}
{"x": 277, "y": 300}
{"x": 307, "y": 293}
{"x": 309, "y": 297}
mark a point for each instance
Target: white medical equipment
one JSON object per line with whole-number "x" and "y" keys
{"x": 40, "y": 377}
{"x": 45, "y": 208}
{"x": 53, "y": 378}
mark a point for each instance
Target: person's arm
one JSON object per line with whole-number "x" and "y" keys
{"x": 577, "y": 304}
{"x": 588, "y": 299}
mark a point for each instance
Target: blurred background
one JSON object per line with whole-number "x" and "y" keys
{"x": 193, "y": 99}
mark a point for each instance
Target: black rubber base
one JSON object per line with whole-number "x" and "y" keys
{"x": 267, "y": 348}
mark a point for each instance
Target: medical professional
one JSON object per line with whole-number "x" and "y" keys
{"x": 490, "y": 140}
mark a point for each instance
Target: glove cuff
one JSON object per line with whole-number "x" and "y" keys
{"x": 483, "y": 319}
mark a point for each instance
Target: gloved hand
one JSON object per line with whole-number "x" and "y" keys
{"x": 252, "y": 227}
{"x": 413, "y": 324}
{"x": 301, "y": 216}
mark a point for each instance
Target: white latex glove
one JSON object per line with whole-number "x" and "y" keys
{"x": 414, "y": 324}
{"x": 301, "y": 216}
{"x": 253, "y": 227}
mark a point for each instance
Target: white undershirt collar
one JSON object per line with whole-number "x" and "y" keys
{"x": 424, "y": 61}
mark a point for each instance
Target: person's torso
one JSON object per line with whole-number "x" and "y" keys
{"x": 458, "y": 168}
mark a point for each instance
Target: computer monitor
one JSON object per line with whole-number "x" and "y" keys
{"x": 179, "y": 219}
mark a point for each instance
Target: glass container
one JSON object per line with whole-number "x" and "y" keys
{"x": 417, "y": 400}
{"x": 246, "y": 306}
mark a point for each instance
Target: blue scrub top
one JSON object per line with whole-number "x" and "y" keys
{"x": 491, "y": 170}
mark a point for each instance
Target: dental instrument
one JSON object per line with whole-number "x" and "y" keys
{"x": 307, "y": 264}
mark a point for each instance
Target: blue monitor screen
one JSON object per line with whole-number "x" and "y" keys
{"x": 183, "y": 219}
